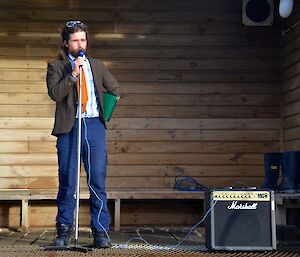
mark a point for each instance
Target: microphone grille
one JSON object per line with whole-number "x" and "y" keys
{"x": 81, "y": 53}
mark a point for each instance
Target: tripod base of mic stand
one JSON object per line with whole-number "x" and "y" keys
{"x": 75, "y": 248}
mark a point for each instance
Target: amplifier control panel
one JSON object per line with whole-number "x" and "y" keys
{"x": 241, "y": 195}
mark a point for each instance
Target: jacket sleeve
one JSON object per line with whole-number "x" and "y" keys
{"x": 109, "y": 82}
{"x": 59, "y": 84}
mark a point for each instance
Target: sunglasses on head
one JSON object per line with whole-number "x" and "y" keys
{"x": 71, "y": 24}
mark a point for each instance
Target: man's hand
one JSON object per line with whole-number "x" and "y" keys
{"x": 78, "y": 62}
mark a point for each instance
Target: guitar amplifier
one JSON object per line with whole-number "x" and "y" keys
{"x": 240, "y": 220}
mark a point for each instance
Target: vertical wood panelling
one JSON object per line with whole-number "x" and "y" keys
{"x": 291, "y": 83}
{"x": 201, "y": 91}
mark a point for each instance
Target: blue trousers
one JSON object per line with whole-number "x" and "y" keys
{"x": 93, "y": 154}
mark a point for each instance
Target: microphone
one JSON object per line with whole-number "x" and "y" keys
{"x": 81, "y": 53}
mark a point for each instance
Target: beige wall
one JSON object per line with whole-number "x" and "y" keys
{"x": 202, "y": 92}
{"x": 291, "y": 81}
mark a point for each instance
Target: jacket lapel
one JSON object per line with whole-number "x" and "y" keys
{"x": 67, "y": 65}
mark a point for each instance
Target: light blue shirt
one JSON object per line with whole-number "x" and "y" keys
{"x": 92, "y": 105}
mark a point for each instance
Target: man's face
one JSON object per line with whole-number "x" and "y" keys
{"x": 76, "y": 43}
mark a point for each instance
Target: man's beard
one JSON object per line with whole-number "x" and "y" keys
{"x": 75, "y": 53}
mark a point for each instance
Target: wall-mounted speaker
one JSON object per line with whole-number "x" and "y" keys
{"x": 241, "y": 220}
{"x": 258, "y": 12}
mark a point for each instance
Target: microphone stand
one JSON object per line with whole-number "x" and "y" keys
{"x": 76, "y": 246}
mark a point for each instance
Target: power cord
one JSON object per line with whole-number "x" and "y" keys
{"x": 213, "y": 204}
{"x": 188, "y": 184}
{"x": 242, "y": 184}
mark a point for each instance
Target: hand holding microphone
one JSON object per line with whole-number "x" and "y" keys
{"x": 79, "y": 62}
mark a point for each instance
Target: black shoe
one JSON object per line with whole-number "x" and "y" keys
{"x": 63, "y": 238}
{"x": 101, "y": 240}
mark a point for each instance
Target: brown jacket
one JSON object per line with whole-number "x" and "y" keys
{"x": 62, "y": 90}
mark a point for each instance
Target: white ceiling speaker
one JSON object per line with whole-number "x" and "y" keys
{"x": 258, "y": 12}
{"x": 286, "y": 8}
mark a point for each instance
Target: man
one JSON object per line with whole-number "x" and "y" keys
{"x": 62, "y": 77}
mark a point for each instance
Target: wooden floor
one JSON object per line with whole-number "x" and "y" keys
{"x": 158, "y": 242}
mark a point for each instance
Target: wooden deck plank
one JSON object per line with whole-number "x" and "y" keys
{"x": 45, "y": 238}
{"x": 11, "y": 238}
{"x": 151, "y": 236}
{"x": 28, "y": 238}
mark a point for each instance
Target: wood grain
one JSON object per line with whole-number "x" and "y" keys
{"x": 203, "y": 96}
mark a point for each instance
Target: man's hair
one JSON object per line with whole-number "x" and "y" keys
{"x": 65, "y": 36}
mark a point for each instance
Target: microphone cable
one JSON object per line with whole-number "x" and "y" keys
{"x": 89, "y": 179}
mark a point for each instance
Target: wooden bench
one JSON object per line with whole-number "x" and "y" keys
{"x": 27, "y": 195}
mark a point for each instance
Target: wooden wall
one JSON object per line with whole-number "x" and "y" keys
{"x": 291, "y": 81}
{"x": 202, "y": 92}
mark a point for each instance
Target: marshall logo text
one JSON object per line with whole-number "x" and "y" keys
{"x": 235, "y": 206}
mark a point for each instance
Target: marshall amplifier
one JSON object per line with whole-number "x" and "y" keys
{"x": 241, "y": 220}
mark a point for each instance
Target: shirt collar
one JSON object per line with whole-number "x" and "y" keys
{"x": 71, "y": 57}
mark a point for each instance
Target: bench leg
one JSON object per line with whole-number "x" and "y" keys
{"x": 25, "y": 215}
{"x": 117, "y": 214}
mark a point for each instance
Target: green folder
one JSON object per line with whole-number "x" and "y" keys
{"x": 109, "y": 104}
